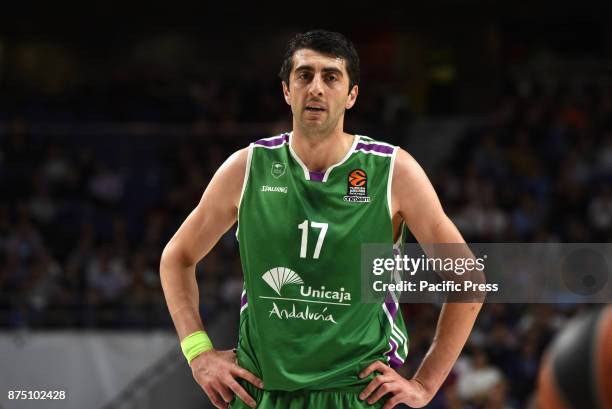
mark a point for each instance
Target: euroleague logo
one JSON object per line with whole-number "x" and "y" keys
{"x": 358, "y": 178}
{"x": 357, "y": 187}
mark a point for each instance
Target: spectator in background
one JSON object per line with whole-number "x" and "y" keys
{"x": 478, "y": 380}
{"x": 143, "y": 305}
{"x": 106, "y": 281}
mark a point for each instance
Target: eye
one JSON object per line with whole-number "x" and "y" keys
{"x": 302, "y": 75}
{"x": 332, "y": 77}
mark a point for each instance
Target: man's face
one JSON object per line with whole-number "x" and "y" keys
{"x": 318, "y": 90}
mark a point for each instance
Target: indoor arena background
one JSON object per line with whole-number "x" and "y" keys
{"x": 113, "y": 119}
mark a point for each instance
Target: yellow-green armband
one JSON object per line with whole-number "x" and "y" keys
{"x": 195, "y": 344}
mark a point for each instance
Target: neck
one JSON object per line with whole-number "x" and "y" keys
{"x": 318, "y": 151}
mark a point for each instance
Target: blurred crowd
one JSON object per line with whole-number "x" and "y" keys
{"x": 83, "y": 221}
{"x": 541, "y": 171}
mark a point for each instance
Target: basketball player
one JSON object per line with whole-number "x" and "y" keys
{"x": 305, "y": 201}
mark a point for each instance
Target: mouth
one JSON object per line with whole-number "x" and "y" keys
{"x": 314, "y": 108}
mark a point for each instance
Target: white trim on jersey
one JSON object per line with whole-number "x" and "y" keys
{"x": 402, "y": 360}
{"x": 369, "y": 141}
{"x": 247, "y": 172}
{"x": 297, "y": 158}
{"x": 398, "y": 334}
{"x": 280, "y": 145}
{"x": 389, "y": 182}
{"x": 394, "y": 330}
{"x": 246, "y": 304}
{"x": 366, "y": 140}
{"x": 271, "y": 138}
{"x": 356, "y": 139}
{"x": 394, "y": 335}
{"x": 388, "y": 314}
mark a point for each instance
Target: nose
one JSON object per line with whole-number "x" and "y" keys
{"x": 316, "y": 86}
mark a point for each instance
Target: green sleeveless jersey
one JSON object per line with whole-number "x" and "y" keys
{"x": 302, "y": 325}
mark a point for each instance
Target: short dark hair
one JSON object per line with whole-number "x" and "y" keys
{"x": 324, "y": 42}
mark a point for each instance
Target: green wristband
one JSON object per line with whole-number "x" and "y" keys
{"x": 195, "y": 344}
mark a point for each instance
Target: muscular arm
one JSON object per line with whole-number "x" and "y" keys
{"x": 214, "y": 215}
{"x": 414, "y": 199}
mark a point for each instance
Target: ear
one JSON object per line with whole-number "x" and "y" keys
{"x": 286, "y": 93}
{"x": 352, "y": 97}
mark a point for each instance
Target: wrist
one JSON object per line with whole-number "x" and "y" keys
{"x": 427, "y": 390}
{"x": 195, "y": 344}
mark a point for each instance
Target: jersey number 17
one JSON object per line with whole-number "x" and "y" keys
{"x": 304, "y": 246}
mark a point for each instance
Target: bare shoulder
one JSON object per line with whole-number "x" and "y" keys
{"x": 226, "y": 184}
{"x": 407, "y": 173}
{"x": 411, "y": 188}
{"x": 236, "y": 163}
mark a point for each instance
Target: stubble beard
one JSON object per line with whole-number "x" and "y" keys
{"x": 318, "y": 130}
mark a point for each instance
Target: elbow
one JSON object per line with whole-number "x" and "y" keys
{"x": 165, "y": 261}
{"x": 169, "y": 261}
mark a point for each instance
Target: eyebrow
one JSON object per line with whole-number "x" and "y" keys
{"x": 325, "y": 69}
